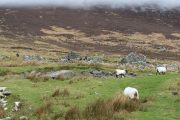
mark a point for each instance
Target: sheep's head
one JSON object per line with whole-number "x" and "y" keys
{"x": 136, "y": 96}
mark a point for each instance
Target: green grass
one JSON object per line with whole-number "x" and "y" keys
{"x": 162, "y": 106}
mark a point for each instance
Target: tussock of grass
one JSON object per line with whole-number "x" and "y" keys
{"x": 2, "y": 112}
{"x": 63, "y": 93}
{"x": 124, "y": 103}
{"x": 37, "y": 77}
{"x": 99, "y": 110}
{"x": 73, "y": 114}
{"x": 105, "y": 110}
{"x": 43, "y": 111}
{"x": 4, "y": 72}
{"x": 30, "y": 63}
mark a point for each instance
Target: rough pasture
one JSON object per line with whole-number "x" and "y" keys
{"x": 154, "y": 94}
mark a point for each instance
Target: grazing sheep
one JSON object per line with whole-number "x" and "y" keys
{"x": 121, "y": 73}
{"x": 132, "y": 93}
{"x": 161, "y": 70}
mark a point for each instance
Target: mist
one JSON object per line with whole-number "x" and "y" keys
{"x": 86, "y": 4}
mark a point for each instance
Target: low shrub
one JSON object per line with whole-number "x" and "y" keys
{"x": 43, "y": 111}
{"x": 73, "y": 114}
{"x": 2, "y": 112}
{"x": 99, "y": 110}
{"x": 63, "y": 93}
{"x": 105, "y": 110}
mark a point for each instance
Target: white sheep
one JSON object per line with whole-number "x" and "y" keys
{"x": 161, "y": 70}
{"x": 132, "y": 93}
{"x": 121, "y": 73}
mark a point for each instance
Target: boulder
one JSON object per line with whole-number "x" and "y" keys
{"x": 63, "y": 74}
{"x": 97, "y": 73}
{"x": 134, "y": 58}
{"x": 33, "y": 57}
{"x": 73, "y": 56}
{"x": 2, "y": 89}
{"x": 92, "y": 59}
{"x": 6, "y": 93}
{"x": 23, "y": 118}
{"x": 131, "y": 74}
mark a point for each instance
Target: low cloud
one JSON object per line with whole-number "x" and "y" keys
{"x": 162, "y": 4}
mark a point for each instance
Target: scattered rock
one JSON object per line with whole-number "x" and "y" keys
{"x": 92, "y": 59}
{"x": 2, "y": 89}
{"x": 8, "y": 118}
{"x": 150, "y": 74}
{"x": 17, "y": 106}
{"x": 162, "y": 49}
{"x": 63, "y": 74}
{"x": 6, "y": 93}
{"x": 175, "y": 93}
{"x": 97, "y": 73}
{"x": 33, "y": 58}
{"x": 23, "y": 118}
{"x": 73, "y": 56}
{"x": 134, "y": 58}
{"x": 131, "y": 75}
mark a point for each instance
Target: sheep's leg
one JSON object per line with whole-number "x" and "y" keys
{"x": 122, "y": 76}
{"x": 117, "y": 76}
{"x": 157, "y": 73}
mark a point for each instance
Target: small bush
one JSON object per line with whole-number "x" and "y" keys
{"x": 30, "y": 63}
{"x": 63, "y": 93}
{"x": 99, "y": 110}
{"x": 56, "y": 93}
{"x": 2, "y": 112}
{"x": 72, "y": 114}
{"x": 105, "y": 110}
{"x": 4, "y": 72}
{"x": 178, "y": 84}
{"x": 37, "y": 77}
{"x": 124, "y": 103}
{"x": 44, "y": 110}
{"x": 58, "y": 116}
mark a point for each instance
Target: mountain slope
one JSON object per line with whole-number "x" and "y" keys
{"x": 153, "y": 33}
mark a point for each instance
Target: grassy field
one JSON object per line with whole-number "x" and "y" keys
{"x": 59, "y": 96}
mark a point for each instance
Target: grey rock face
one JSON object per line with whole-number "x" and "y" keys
{"x": 76, "y": 57}
{"x": 134, "y": 58}
{"x": 73, "y": 56}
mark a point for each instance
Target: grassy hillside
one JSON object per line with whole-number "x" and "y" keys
{"x": 81, "y": 91}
